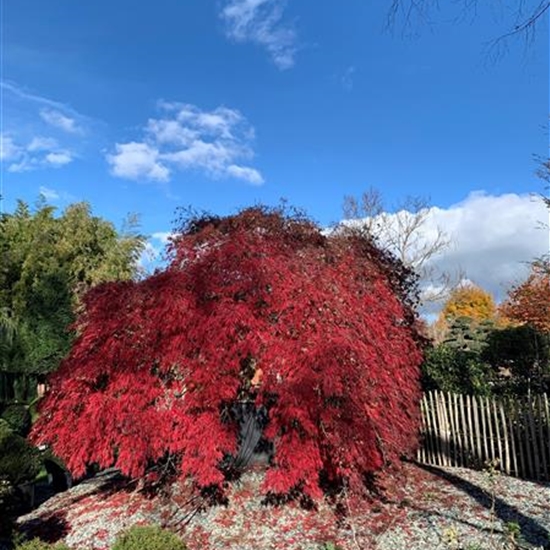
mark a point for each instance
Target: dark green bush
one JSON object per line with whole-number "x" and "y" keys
{"x": 37, "y": 544}
{"x": 149, "y": 537}
{"x": 19, "y": 418}
{"x": 456, "y": 370}
{"x": 467, "y": 334}
{"x": 19, "y": 461}
{"x": 522, "y": 355}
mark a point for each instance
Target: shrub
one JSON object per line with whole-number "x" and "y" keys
{"x": 19, "y": 460}
{"x": 19, "y": 418}
{"x": 455, "y": 370}
{"x": 148, "y": 537}
{"x": 524, "y": 352}
{"x": 37, "y": 544}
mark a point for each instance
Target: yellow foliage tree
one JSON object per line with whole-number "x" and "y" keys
{"x": 470, "y": 301}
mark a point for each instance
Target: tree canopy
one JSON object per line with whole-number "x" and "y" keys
{"x": 316, "y": 331}
{"x": 482, "y": 349}
{"x": 47, "y": 263}
{"x": 470, "y": 301}
{"x": 529, "y": 302}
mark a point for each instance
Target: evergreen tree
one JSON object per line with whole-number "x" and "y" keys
{"x": 46, "y": 263}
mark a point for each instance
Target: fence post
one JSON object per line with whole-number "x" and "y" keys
{"x": 497, "y": 432}
{"x": 534, "y": 446}
{"x": 511, "y": 434}
{"x": 543, "y": 472}
{"x": 547, "y": 415}
{"x": 506, "y": 462}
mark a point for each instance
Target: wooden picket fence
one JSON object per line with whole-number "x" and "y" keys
{"x": 473, "y": 432}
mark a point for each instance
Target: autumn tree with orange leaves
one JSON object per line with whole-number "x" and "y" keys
{"x": 529, "y": 302}
{"x": 479, "y": 348}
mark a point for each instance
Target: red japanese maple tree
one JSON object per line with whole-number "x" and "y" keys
{"x": 322, "y": 324}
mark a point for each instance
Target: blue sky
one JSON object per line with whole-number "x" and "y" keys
{"x": 143, "y": 107}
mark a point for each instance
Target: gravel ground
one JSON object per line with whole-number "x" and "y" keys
{"x": 424, "y": 508}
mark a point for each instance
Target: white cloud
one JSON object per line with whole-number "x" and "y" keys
{"x": 187, "y": 138}
{"x": 9, "y": 150}
{"x": 40, "y": 152}
{"x": 25, "y": 165}
{"x": 149, "y": 258}
{"x": 39, "y": 133}
{"x": 201, "y": 154}
{"x": 137, "y": 161}
{"x": 153, "y": 257}
{"x": 493, "y": 239}
{"x": 59, "y": 158}
{"x": 49, "y": 194}
{"x": 261, "y": 22}
{"x": 40, "y": 143}
{"x": 54, "y": 113}
{"x": 347, "y": 79}
{"x": 170, "y": 132}
{"x": 248, "y": 174}
{"x": 162, "y": 236}
{"x": 55, "y": 195}
{"x": 59, "y": 120}
{"x": 26, "y": 96}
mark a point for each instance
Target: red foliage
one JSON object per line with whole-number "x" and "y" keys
{"x": 529, "y": 302}
{"x": 158, "y": 362}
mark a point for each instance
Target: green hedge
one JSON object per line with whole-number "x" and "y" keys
{"x": 37, "y": 544}
{"x": 148, "y": 537}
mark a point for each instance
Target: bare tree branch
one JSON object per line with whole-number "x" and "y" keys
{"x": 406, "y": 233}
{"x": 527, "y": 14}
